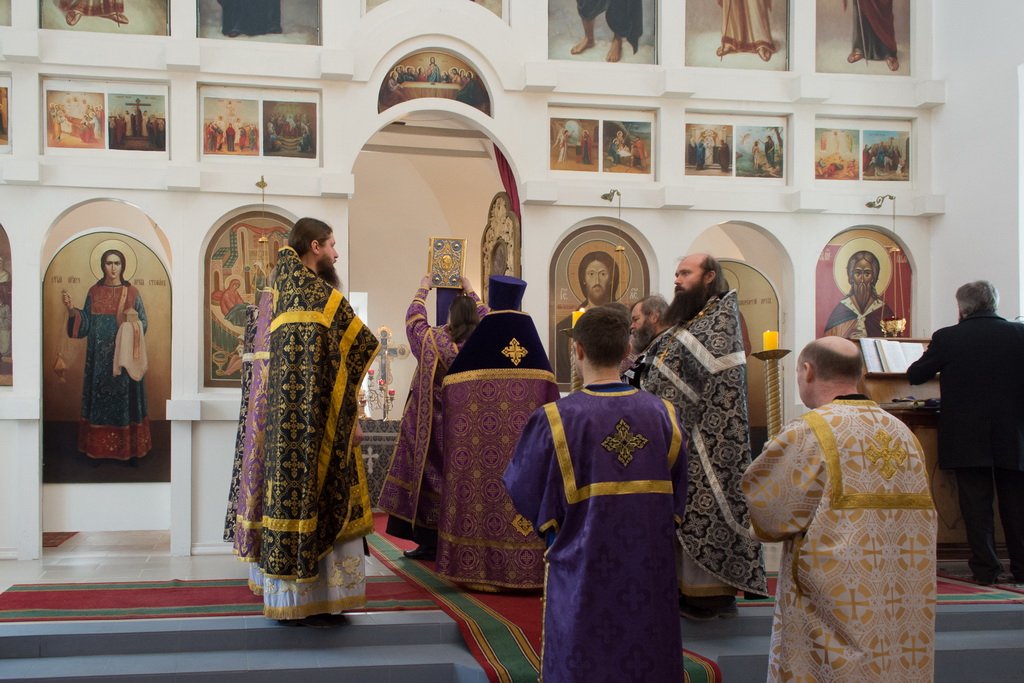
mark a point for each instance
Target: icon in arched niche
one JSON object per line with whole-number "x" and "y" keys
{"x": 430, "y": 73}
{"x": 500, "y": 246}
{"x": 593, "y": 265}
{"x": 759, "y": 311}
{"x": 863, "y": 277}
{"x": 6, "y": 357}
{"x": 238, "y": 262}
{"x": 107, "y": 351}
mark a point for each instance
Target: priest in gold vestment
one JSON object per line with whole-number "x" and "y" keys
{"x": 845, "y": 488}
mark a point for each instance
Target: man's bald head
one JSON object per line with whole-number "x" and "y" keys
{"x": 834, "y": 358}
{"x": 828, "y": 367}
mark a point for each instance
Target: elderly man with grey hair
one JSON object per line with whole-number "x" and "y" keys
{"x": 646, "y": 323}
{"x": 980, "y": 362}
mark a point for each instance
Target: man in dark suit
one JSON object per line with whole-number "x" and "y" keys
{"x": 981, "y": 423}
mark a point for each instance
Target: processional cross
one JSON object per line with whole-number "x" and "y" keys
{"x": 380, "y": 394}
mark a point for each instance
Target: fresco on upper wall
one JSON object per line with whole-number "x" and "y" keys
{"x": 75, "y": 119}
{"x": 738, "y": 34}
{"x": 137, "y": 122}
{"x": 627, "y": 147}
{"x": 433, "y": 74}
{"x": 5, "y": 12}
{"x": 760, "y": 152}
{"x": 231, "y": 126}
{"x": 886, "y": 155}
{"x": 574, "y": 144}
{"x": 863, "y": 37}
{"x": 492, "y": 5}
{"x": 289, "y": 129}
{"x": 238, "y": 262}
{"x": 862, "y": 278}
{"x": 6, "y": 311}
{"x": 708, "y": 149}
{"x": 836, "y": 154}
{"x": 139, "y": 17}
{"x": 593, "y": 265}
{"x": 596, "y": 30}
{"x": 295, "y": 21}
{"x": 106, "y": 362}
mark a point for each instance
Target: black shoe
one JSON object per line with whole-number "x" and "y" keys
{"x": 421, "y": 553}
{"x": 323, "y": 621}
{"x": 694, "y": 613}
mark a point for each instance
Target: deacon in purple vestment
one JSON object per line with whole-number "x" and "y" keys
{"x": 601, "y": 475}
{"x": 501, "y": 376}
{"x": 412, "y": 491}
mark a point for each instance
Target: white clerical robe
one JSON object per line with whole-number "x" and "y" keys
{"x": 845, "y": 488}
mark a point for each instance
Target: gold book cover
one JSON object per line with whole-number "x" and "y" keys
{"x": 446, "y": 261}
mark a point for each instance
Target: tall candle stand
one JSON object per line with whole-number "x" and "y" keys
{"x": 773, "y": 387}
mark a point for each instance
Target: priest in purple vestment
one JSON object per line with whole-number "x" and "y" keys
{"x": 501, "y": 376}
{"x": 412, "y": 491}
{"x": 601, "y": 475}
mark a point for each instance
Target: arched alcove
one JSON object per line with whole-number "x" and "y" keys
{"x": 762, "y": 271}
{"x": 430, "y": 173}
{"x": 239, "y": 255}
{"x": 596, "y": 261}
{"x": 106, "y": 451}
{"x": 864, "y": 276}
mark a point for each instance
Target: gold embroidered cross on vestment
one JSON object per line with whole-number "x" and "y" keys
{"x": 522, "y": 525}
{"x": 515, "y": 351}
{"x": 624, "y": 443}
{"x": 892, "y": 457}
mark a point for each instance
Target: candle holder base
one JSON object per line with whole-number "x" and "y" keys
{"x": 772, "y": 387}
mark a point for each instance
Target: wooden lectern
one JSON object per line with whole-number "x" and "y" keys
{"x": 891, "y": 391}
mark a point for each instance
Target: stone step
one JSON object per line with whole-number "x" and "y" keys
{"x": 391, "y": 647}
{"x": 384, "y": 664}
{"x": 972, "y": 643}
{"x": 169, "y": 636}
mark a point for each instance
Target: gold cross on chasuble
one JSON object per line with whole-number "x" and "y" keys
{"x": 522, "y": 525}
{"x": 892, "y": 458}
{"x": 515, "y": 351}
{"x": 624, "y": 443}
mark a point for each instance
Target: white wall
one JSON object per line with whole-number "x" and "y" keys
{"x": 970, "y": 88}
{"x": 976, "y": 155}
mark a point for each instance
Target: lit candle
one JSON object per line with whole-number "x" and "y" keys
{"x": 391, "y": 392}
{"x": 380, "y": 382}
{"x": 576, "y": 315}
{"x": 370, "y": 372}
{"x": 770, "y": 340}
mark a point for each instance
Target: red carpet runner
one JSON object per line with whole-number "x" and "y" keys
{"x": 501, "y": 630}
{"x": 175, "y": 599}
